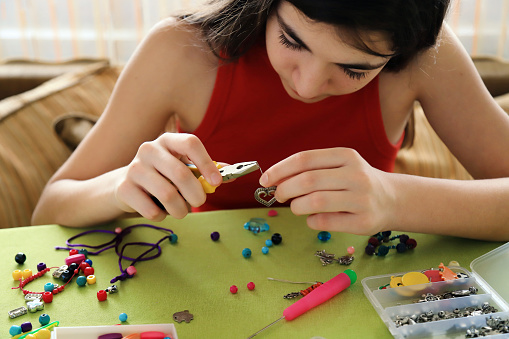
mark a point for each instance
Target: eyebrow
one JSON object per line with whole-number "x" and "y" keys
{"x": 288, "y": 30}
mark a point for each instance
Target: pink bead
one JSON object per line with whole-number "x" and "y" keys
{"x": 233, "y": 289}
{"x": 118, "y": 230}
{"x": 350, "y": 250}
{"x": 131, "y": 270}
{"x": 76, "y": 258}
{"x": 251, "y": 286}
{"x": 272, "y": 213}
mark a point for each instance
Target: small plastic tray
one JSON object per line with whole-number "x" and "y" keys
{"x": 489, "y": 275}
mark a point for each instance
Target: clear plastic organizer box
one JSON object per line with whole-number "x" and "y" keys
{"x": 490, "y": 275}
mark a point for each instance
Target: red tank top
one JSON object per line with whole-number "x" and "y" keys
{"x": 250, "y": 117}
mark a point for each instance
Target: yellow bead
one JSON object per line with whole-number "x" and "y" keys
{"x": 91, "y": 279}
{"x": 16, "y": 275}
{"x": 31, "y": 336}
{"x": 43, "y": 334}
{"x": 27, "y": 273}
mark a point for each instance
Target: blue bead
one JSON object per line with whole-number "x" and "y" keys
{"x": 48, "y": 287}
{"x": 246, "y": 253}
{"x": 268, "y": 243}
{"x": 265, "y": 250}
{"x": 44, "y": 319}
{"x": 88, "y": 261}
{"x": 122, "y": 317}
{"x": 256, "y": 225}
{"x": 173, "y": 238}
{"x": 15, "y": 330}
{"x": 324, "y": 236}
{"x": 81, "y": 280}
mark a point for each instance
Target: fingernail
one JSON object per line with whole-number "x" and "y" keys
{"x": 264, "y": 179}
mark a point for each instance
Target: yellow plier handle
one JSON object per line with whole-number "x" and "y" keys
{"x": 207, "y": 188}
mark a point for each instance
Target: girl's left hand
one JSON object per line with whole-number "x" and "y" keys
{"x": 337, "y": 188}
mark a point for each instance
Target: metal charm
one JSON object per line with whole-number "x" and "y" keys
{"x": 34, "y": 306}
{"x": 112, "y": 289}
{"x": 58, "y": 272}
{"x": 329, "y": 258}
{"x": 17, "y": 312}
{"x": 33, "y": 297}
{"x": 183, "y": 316}
{"x": 263, "y": 194}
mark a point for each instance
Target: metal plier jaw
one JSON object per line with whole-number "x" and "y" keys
{"x": 227, "y": 172}
{"x": 239, "y": 169}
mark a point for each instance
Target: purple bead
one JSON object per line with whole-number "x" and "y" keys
{"x": 403, "y": 238}
{"x": 26, "y": 327}
{"x": 214, "y": 236}
{"x": 370, "y": 249}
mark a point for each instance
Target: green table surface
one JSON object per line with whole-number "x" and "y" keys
{"x": 196, "y": 273}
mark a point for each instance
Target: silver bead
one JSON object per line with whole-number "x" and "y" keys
{"x": 58, "y": 272}
{"x": 17, "y": 312}
{"x": 34, "y": 306}
{"x": 33, "y": 297}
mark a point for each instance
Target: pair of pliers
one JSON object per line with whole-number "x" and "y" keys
{"x": 227, "y": 172}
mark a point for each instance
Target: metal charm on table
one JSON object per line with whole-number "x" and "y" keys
{"x": 329, "y": 258}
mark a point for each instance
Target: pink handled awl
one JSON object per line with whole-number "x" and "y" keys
{"x": 319, "y": 295}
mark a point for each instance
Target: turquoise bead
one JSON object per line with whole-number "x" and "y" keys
{"x": 268, "y": 243}
{"x": 122, "y": 317}
{"x": 174, "y": 238}
{"x": 15, "y": 330}
{"x": 44, "y": 319}
{"x": 246, "y": 253}
{"x": 48, "y": 287}
{"x": 81, "y": 280}
{"x": 324, "y": 236}
{"x": 256, "y": 225}
{"x": 84, "y": 252}
{"x": 265, "y": 250}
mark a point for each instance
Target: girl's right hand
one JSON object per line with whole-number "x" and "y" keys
{"x": 159, "y": 170}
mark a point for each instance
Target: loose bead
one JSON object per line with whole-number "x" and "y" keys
{"x": 272, "y": 213}
{"x": 324, "y": 236}
{"x": 47, "y": 297}
{"x": 16, "y": 274}
{"x": 233, "y": 289}
{"x": 102, "y": 295}
{"x": 246, "y": 253}
{"x": 83, "y": 251}
{"x": 15, "y": 330}
{"x": 84, "y": 265}
{"x": 122, "y": 317}
{"x": 48, "y": 287}
{"x": 118, "y": 230}
{"x": 88, "y": 261}
{"x": 88, "y": 271}
{"x": 73, "y": 252}
{"x": 268, "y": 243}
{"x": 276, "y": 238}
{"x": 91, "y": 279}
{"x": 131, "y": 270}
{"x": 403, "y": 238}
{"x": 27, "y": 273}
{"x": 350, "y": 250}
{"x": 44, "y": 319}
{"x": 251, "y": 286}
{"x": 41, "y": 266}
{"x": 76, "y": 258}
{"x": 81, "y": 280}
{"x": 214, "y": 236}
{"x": 265, "y": 250}
{"x": 26, "y": 327}
{"x": 20, "y": 258}
{"x": 173, "y": 238}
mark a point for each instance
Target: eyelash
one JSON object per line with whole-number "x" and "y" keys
{"x": 295, "y": 47}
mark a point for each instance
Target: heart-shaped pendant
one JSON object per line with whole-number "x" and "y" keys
{"x": 265, "y": 195}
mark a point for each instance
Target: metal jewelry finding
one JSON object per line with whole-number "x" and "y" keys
{"x": 329, "y": 258}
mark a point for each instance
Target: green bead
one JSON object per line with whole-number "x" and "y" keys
{"x": 383, "y": 250}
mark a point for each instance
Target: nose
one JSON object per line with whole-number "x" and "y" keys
{"x": 311, "y": 79}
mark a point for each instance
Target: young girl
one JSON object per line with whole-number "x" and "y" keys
{"x": 319, "y": 93}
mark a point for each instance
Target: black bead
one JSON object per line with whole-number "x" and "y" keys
{"x": 276, "y": 238}
{"x": 20, "y": 258}
{"x": 66, "y": 276}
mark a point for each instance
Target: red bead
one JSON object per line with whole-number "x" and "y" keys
{"x": 55, "y": 291}
{"x": 373, "y": 241}
{"x": 60, "y": 288}
{"x": 89, "y": 271}
{"x": 84, "y": 265}
{"x": 73, "y": 252}
{"x": 411, "y": 244}
{"x": 102, "y": 295}
{"x": 251, "y": 286}
{"x": 233, "y": 289}
{"x": 38, "y": 274}
{"x": 47, "y": 297}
